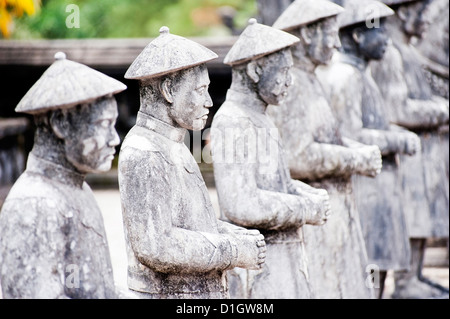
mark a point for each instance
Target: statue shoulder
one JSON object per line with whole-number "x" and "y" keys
{"x": 229, "y": 115}
{"x": 31, "y": 185}
{"x": 339, "y": 77}
{"x": 31, "y": 200}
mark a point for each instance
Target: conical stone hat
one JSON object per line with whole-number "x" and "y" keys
{"x": 394, "y": 2}
{"x": 66, "y": 84}
{"x": 303, "y": 12}
{"x": 258, "y": 40}
{"x": 166, "y": 54}
{"x": 360, "y": 11}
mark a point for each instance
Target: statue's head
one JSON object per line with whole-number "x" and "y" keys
{"x": 262, "y": 55}
{"x": 270, "y": 76}
{"x": 75, "y": 109}
{"x": 87, "y": 133}
{"x": 415, "y": 20}
{"x": 186, "y": 95}
{"x": 315, "y": 23}
{"x": 362, "y": 28}
{"x": 321, "y": 40}
{"x": 371, "y": 43}
{"x": 173, "y": 75}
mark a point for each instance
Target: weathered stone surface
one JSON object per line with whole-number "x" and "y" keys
{"x": 317, "y": 153}
{"x": 305, "y": 12}
{"x": 176, "y": 246}
{"x": 52, "y": 239}
{"x": 417, "y": 109}
{"x": 362, "y": 113}
{"x": 270, "y": 10}
{"x": 154, "y": 61}
{"x": 434, "y": 46}
{"x": 253, "y": 182}
{"x": 362, "y": 11}
{"x": 256, "y": 41}
{"x": 424, "y": 179}
{"x": 69, "y": 92}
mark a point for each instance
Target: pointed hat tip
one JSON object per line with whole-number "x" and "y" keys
{"x": 60, "y": 56}
{"x": 164, "y": 30}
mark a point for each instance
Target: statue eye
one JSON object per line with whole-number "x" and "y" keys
{"x": 105, "y": 123}
{"x": 201, "y": 90}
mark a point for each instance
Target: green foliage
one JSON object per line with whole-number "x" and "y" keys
{"x": 126, "y": 19}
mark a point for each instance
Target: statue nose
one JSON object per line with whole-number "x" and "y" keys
{"x": 209, "y": 102}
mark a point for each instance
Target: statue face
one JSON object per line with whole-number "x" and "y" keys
{"x": 415, "y": 18}
{"x": 191, "y": 99}
{"x": 324, "y": 41}
{"x": 274, "y": 77}
{"x": 91, "y": 138}
{"x": 373, "y": 42}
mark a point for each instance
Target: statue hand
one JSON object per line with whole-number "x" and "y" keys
{"x": 251, "y": 250}
{"x": 412, "y": 143}
{"x": 319, "y": 209}
{"x": 370, "y": 161}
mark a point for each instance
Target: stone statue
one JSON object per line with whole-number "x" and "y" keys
{"x": 434, "y": 47}
{"x": 176, "y": 246}
{"x": 52, "y": 238}
{"x": 270, "y": 10}
{"x": 253, "y": 182}
{"x": 362, "y": 114}
{"x": 317, "y": 153}
{"x": 425, "y": 183}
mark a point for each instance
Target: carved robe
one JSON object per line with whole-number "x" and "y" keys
{"x": 424, "y": 176}
{"x": 336, "y": 252}
{"x": 255, "y": 190}
{"x": 361, "y": 112}
{"x": 174, "y": 242}
{"x": 52, "y": 238}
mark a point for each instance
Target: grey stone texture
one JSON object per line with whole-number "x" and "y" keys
{"x": 301, "y": 13}
{"x": 253, "y": 182}
{"x": 176, "y": 246}
{"x": 424, "y": 177}
{"x": 317, "y": 153}
{"x": 362, "y": 114}
{"x": 270, "y": 10}
{"x": 52, "y": 238}
{"x": 402, "y": 83}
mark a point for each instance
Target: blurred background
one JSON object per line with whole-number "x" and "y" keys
{"x": 45, "y": 19}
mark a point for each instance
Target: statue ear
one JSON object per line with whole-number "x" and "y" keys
{"x": 401, "y": 12}
{"x": 254, "y": 71}
{"x": 305, "y": 35}
{"x": 59, "y": 123}
{"x": 166, "y": 89}
{"x": 357, "y": 36}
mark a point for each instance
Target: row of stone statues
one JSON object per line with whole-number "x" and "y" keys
{"x": 318, "y": 172}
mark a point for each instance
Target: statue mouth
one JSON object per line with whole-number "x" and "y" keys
{"x": 204, "y": 116}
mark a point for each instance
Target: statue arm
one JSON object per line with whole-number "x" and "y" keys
{"x": 253, "y": 207}
{"x": 407, "y": 112}
{"x": 424, "y": 114}
{"x": 346, "y": 101}
{"x": 241, "y": 199}
{"x": 148, "y": 209}
{"x": 321, "y": 160}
